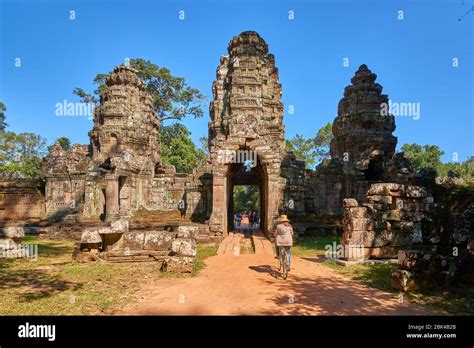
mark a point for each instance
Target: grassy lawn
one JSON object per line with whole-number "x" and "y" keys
{"x": 457, "y": 300}
{"x": 203, "y": 252}
{"x": 55, "y": 285}
{"x": 313, "y": 246}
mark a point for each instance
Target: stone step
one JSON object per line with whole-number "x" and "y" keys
{"x": 232, "y": 244}
{"x": 261, "y": 244}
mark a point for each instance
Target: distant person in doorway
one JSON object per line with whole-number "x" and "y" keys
{"x": 238, "y": 219}
{"x": 252, "y": 219}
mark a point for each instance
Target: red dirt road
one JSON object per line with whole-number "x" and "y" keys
{"x": 248, "y": 284}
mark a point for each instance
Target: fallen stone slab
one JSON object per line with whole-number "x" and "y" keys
{"x": 179, "y": 264}
{"x": 184, "y": 247}
{"x": 15, "y": 232}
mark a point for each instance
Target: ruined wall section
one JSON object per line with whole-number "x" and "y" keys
{"x": 394, "y": 217}
{"x": 362, "y": 149}
{"x": 21, "y": 201}
{"x": 64, "y": 173}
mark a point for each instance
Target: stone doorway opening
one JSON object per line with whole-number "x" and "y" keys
{"x": 245, "y": 208}
{"x": 246, "y": 197}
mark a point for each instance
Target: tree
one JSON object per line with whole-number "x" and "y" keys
{"x": 429, "y": 156}
{"x": 3, "y": 109}
{"x": 246, "y": 198}
{"x": 312, "y": 150}
{"x": 458, "y": 170}
{"x": 178, "y": 149}
{"x": 304, "y": 149}
{"x": 172, "y": 97}
{"x": 322, "y": 141}
{"x": 21, "y": 153}
{"x": 423, "y": 156}
{"x": 65, "y": 143}
{"x": 203, "y": 151}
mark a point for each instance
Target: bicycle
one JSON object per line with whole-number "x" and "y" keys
{"x": 283, "y": 262}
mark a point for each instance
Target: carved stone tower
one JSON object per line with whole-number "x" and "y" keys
{"x": 125, "y": 146}
{"x": 363, "y": 128}
{"x": 246, "y": 115}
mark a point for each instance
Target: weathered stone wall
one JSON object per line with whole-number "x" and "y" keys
{"x": 393, "y": 218}
{"x": 195, "y": 189}
{"x": 115, "y": 242}
{"x": 429, "y": 229}
{"x": 21, "y": 201}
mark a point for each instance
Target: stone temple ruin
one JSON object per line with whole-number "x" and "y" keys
{"x": 116, "y": 198}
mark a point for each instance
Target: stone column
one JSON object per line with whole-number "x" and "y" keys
{"x": 112, "y": 206}
{"x": 218, "y": 221}
{"x": 272, "y": 204}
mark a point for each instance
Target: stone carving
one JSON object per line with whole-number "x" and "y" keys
{"x": 246, "y": 114}
{"x": 362, "y": 133}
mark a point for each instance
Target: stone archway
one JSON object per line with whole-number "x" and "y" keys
{"x": 226, "y": 176}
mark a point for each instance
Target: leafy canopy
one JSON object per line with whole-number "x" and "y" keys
{"x": 312, "y": 150}
{"x": 178, "y": 149}
{"x": 65, "y": 143}
{"x": 429, "y": 156}
{"x": 21, "y": 153}
{"x": 172, "y": 98}
{"x": 3, "y": 125}
{"x": 246, "y": 198}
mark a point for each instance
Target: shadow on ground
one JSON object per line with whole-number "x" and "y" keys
{"x": 334, "y": 295}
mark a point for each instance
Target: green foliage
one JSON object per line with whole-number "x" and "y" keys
{"x": 246, "y": 198}
{"x": 322, "y": 141}
{"x": 178, "y": 149}
{"x": 172, "y": 97}
{"x": 3, "y": 125}
{"x": 463, "y": 170}
{"x": 312, "y": 150}
{"x": 303, "y": 149}
{"x": 204, "y": 145}
{"x": 313, "y": 246}
{"x": 423, "y": 156}
{"x": 21, "y": 153}
{"x": 202, "y": 253}
{"x": 65, "y": 143}
{"x": 429, "y": 156}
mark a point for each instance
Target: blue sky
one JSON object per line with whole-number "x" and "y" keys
{"x": 413, "y": 57}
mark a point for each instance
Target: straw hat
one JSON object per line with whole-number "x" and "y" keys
{"x": 283, "y": 218}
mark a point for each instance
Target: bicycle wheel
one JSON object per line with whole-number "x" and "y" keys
{"x": 279, "y": 261}
{"x": 284, "y": 262}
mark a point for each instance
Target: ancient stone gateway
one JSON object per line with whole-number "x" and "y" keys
{"x": 120, "y": 202}
{"x": 246, "y": 124}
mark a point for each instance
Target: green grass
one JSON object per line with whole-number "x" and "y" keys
{"x": 203, "y": 252}
{"x": 55, "y": 285}
{"x": 313, "y": 246}
{"x": 456, "y": 300}
{"x": 376, "y": 276}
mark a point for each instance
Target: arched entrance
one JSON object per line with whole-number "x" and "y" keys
{"x": 227, "y": 176}
{"x": 247, "y": 177}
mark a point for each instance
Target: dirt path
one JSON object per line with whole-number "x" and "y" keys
{"x": 247, "y": 285}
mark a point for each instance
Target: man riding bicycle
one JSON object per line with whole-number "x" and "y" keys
{"x": 284, "y": 237}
